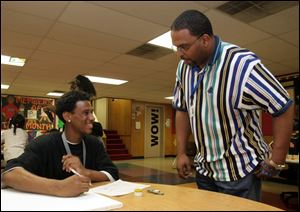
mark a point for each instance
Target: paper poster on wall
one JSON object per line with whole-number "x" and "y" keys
{"x": 31, "y": 108}
{"x": 31, "y": 114}
{"x": 137, "y": 125}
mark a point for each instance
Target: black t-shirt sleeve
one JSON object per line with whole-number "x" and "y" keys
{"x": 30, "y": 160}
{"x": 42, "y": 157}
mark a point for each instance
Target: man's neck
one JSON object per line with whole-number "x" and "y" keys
{"x": 72, "y": 137}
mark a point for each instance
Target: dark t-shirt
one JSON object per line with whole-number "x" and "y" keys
{"x": 43, "y": 157}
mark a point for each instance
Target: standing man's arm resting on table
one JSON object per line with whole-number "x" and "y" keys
{"x": 282, "y": 131}
{"x": 20, "y": 179}
{"x": 183, "y": 131}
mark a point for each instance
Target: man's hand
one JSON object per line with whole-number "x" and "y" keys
{"x": 264, "y": 170}
{"x": 71, "y": 161}
{"x": 73, "y": 186}
{"x": 184, "y": 166}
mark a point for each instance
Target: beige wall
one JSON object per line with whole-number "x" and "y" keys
{"x": 138, "y": 135}
{"x": 101, "y": 111}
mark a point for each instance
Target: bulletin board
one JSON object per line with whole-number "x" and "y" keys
{"x": 37, "y": 121}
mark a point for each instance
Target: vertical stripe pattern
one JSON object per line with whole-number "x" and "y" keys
{"x": 226, "y": 124}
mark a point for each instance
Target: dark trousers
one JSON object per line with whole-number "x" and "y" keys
{"x": 248, "y": 187}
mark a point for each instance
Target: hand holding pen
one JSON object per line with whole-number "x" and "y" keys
{"x": 75, "y": 172}
{"x": 72, "y": 163}
{"x": 72, "y": 186}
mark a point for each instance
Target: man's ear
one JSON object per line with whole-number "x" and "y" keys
{"x": 206, "y": 39}
{"x": 67, "y": 116}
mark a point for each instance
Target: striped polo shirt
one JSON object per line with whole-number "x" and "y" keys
{"x": 223, "y": 101}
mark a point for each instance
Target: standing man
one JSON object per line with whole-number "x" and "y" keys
{"x": 219, "y": 91}
{"x": 63, "y": 164}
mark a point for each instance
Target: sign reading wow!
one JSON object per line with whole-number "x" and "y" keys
{"x": 153, "y": 141}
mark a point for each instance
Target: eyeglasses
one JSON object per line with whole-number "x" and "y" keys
{"x": 185, "y": 47}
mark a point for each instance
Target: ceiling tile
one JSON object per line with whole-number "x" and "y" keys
{"x": 151, "y": 10}
{"x": 235, "y": 32}
{"x": 76, "y": 50}
{"x": 19, "y": 22}
{"x": 105, "y": 20}
{"x": 279, "y": 69}
{"x": 16, "y": 39}
{"x": 293, "y": 63}
{"x": 277, "y": 23}
{"x": 140, "y": 62}
{"x": 9, "y": 74}
{"x": 280, "y": 50}
{"x": 46, "y": 9}
{"x": 291, "y": 37}
{"x": 211, "y": 4}
{"x": 16, "y": 51}
{"x": 91, "y": 38}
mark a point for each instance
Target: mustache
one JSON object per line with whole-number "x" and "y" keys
{"x": 183, "y": 58}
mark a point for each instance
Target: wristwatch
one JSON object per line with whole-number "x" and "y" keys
{"x": 277, "y": 166}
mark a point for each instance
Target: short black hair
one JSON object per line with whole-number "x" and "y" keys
{"x": 67, "y": 102}
{"x": 193, "y": 20}
{"x": 84, "y": 84}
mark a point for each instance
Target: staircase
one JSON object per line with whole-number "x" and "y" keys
{"x": 115, "y": 147}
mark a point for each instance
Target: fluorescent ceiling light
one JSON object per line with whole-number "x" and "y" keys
{"x": 170, "y": 97}
{"x": 106, "y": 80}
{"x": 164, "y": 40}
{"x": 14, "y": 61}
{"x": 4, "y": 86}
{"x": 55, "y": 94}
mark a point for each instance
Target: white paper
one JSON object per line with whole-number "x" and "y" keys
{"x": 118, "y": 188}
{"x": 14, "y": 200}
{"x": 31, "y": 114}
{"x": 137, "y": 125}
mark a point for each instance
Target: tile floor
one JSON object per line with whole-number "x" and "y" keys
{"x": 160, "y": 170}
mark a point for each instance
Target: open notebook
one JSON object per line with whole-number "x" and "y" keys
{"x": 13, "y": 200}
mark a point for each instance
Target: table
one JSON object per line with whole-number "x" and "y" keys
{"x": 182, "y": 198}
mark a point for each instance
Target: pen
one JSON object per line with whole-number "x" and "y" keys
{"x": 75, "y": 172}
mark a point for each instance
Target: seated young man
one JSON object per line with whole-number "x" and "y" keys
{"x": 48, "y": 165}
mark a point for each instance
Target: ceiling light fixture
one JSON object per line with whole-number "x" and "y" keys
{"x": 164, "y": 40}
{"x": 55, "y": 94}
{"x": 106, "y": 80}
{"x": 14, "y": 61}
{"x": 4, "y": 86}
{"x": 170, "y": 97}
